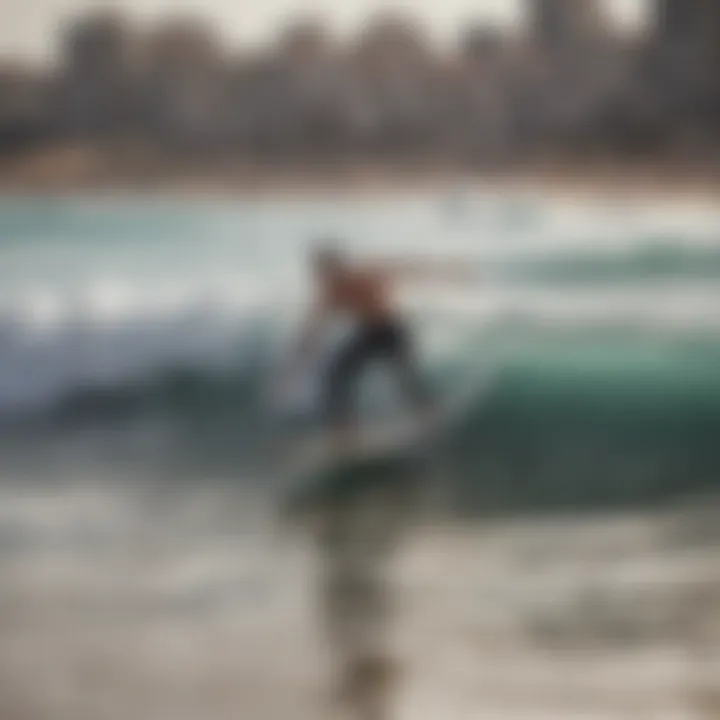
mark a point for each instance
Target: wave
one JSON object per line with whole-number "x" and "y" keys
{"x": 601, "y": 372}
{"x": 597, "y": 338}
{"x": 558, "y": 417}
{"x": 568, "y": 423}
{"x": 67, "y": 363}
{"x": 139, "y": 360}
{"x": 652, "y": 261}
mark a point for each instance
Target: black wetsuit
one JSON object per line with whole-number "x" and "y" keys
{"x": 386, "y": 340}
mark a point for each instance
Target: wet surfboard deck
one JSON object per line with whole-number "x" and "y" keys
{"x": 394, "y": 454}
{"x": 320, "y": 478}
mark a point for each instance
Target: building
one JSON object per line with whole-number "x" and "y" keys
{"x": 394, "y": 71}
{"x": 304, "y": 41}
{"x": 566, "y": 25}
{"x": 689, "y": 29}
{"x": 684, "y": 65}
{"x": 96, "y": 58}
{"x": 26, "y": 117}
{"x": 184, "y": 81}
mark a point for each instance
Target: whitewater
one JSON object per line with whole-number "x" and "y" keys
{"x": 98, "y": 293}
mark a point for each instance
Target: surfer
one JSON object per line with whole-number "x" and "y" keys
{"x": 364, "y": 293}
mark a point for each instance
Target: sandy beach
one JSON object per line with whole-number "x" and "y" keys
{"x": 87, "y": 170}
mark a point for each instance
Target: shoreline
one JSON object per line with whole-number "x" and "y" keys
{"x": 612, "y": 181}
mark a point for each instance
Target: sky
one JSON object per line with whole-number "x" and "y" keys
{"x": 28, "y": 29}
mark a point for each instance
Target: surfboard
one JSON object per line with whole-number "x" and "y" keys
{"x": 389, "y": 457}
{"x": 389, "y": 454}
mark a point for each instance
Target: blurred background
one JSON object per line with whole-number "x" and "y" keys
{"x": 153, "y": 90}
{"x": 164, "y": 169}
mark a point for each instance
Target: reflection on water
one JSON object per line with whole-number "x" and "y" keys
{"x": 139, "y": 600}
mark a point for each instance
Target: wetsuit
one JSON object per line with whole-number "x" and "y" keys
{"x": 380, "y": 335}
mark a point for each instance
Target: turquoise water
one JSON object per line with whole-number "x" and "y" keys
{"x": 594, "y": 324}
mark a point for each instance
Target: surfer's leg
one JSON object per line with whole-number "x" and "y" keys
{"x": 340, "y": 383}
{"x": 402, "y": 356}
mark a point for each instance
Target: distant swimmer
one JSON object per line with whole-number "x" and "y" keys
{"x": 364, "y": 293}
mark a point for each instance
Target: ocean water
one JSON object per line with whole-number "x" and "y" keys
{"x": 587, "y": 346}
{"x": 144, "y": 574}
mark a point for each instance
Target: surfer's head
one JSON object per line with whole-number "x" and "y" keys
{"x": 327, "y": 258}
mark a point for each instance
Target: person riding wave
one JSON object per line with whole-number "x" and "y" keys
{"x": 365, "y": 293}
